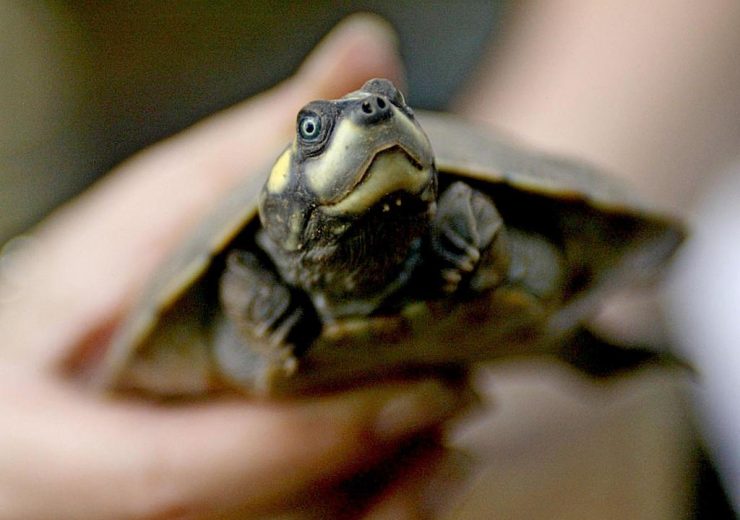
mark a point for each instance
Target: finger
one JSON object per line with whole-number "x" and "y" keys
{"x": 425, "y": 487}
{"x": 418, "y": 479}
{"x": 398, "y": 473}
{"x": 91, "y": 458}
{"x": 94, "y": 255}
{"x": 390, "y": 487}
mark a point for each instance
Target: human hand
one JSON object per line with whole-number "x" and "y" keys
{"x": 67, "y": 453}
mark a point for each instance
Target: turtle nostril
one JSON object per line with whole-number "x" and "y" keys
{"x": 372, "y": 109}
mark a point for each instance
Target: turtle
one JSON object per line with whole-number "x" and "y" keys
{"x": 387, "y": 242}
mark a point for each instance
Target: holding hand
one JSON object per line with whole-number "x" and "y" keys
{"x": 65, "y": 453}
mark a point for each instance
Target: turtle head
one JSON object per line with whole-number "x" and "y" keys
{"x": 362, "y": 153}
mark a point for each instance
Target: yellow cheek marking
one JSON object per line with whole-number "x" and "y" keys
{"x": 346, "y": 144}
{"x": 353, "y": 147}
{"x": 390, "y": 172}
{"x": 280, "y": 173}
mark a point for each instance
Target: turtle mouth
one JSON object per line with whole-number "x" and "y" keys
{"x": 391, "y": 170}
{"x": 397, "y": 150}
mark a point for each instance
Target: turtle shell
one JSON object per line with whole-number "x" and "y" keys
{"x": 608, "y": 236}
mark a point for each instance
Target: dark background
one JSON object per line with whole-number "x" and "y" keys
{"x": 86, "y": 84}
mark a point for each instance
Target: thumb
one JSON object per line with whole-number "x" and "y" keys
{"x": 361, "y": 47}
{"x": 93, "y": 256}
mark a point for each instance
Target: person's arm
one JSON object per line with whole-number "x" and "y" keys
{"x": 650, "y": 90}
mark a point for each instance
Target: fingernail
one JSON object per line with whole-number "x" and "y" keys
{"x": 425, "y": 405}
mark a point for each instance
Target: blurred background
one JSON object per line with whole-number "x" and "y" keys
{"x": 86, "y": 84}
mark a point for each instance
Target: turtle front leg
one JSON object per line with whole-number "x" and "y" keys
{"x": 265, "y": 324}
{"x": 468, "y": 240}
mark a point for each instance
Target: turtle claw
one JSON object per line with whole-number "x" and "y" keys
{"x": 262, "y": 308}
{"x": 464, "y": 227}
{"x": 450, "y": 280}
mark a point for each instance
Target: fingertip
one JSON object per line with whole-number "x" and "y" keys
{"x": 422, "y": 406}
{"x": 360, "y": 47}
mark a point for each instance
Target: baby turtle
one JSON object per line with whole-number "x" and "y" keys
{"x": 373, "y": 250}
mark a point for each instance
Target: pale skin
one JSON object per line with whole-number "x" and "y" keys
{"x": 648, "y": 91}
{"x": 68, "y": 452}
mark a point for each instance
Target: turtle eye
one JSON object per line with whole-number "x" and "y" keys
{"x": 309, "y": 126}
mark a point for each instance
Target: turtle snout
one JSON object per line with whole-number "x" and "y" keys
{"x": 372, "y": 109}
